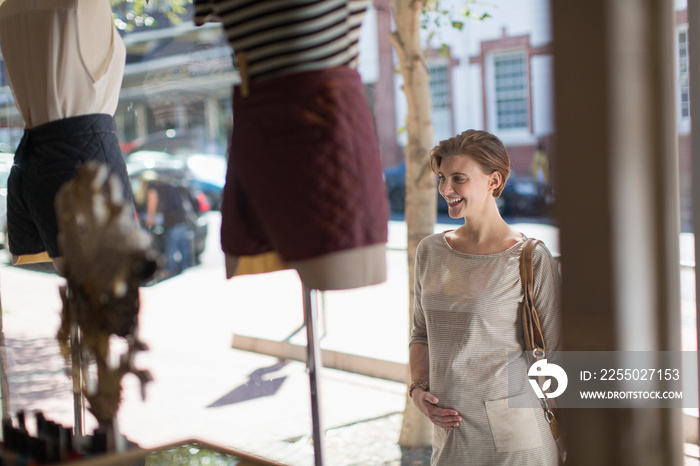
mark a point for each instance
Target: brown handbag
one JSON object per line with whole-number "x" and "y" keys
{"x": 534, "y": 337}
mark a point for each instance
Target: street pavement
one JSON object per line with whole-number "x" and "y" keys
{"x": 203, "y": 388}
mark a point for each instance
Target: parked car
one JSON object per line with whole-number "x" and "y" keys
{"x": 5, "y": 167}
{"x": 162, "y": 165}
{"x": 208, "y": 176}
{"x": 395, "y": 182}
{"x": 208, "y": 170}
{"x": 522, "y": 195}
{"x": 7, "y": 158}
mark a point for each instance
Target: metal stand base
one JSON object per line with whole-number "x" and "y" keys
{"x": 313, "y": 363}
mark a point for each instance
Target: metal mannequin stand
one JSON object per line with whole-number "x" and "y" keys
{"x": 76, "y": 360}
{"x": 313, "y": 363}
{"x": 77, "y": 376}
{"x": 320, "y": 318}
{"x": 4, "y": 382}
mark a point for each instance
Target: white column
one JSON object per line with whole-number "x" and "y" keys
{"x": 141, "y": 109}
{"x": 694, "y": 62}
{"x": 618, "y": 209}
{"x": 211, "y": 112}
{"x": 180, "y": 116}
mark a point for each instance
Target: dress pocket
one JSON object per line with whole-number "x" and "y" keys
{"x": 439, "y": 437}
{"x": 513, "y": 429}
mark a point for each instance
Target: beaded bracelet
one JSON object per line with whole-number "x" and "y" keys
{"x": 422, "y": 385}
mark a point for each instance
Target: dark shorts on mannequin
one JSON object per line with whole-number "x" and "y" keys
{"x": 48, "y": 156}
{"x": 304, "y": 175}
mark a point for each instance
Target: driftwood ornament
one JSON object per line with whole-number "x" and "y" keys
{"x": 106, "y": 259}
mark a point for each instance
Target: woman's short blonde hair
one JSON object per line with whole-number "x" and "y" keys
{"x": 486, "y": 149}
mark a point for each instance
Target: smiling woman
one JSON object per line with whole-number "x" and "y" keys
{"x": 475, "y": 164}
{"x": 460, "y": 340}
{"x": 463, "y": 184}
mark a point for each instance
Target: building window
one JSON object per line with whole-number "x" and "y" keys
{"x": 441, "y": 96}
{"x": 439, "y": 86}
{"x": 511, "y": 90}
{"x": 683, "y": 82}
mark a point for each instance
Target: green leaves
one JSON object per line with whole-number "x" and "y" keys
{"x": 438, "y": 15}
{"x": 129, "y": 14}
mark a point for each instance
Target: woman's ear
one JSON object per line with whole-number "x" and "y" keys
{"x": 495, "y": 180}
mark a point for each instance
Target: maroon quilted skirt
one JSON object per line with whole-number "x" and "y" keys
{"x": 304, "y": 174}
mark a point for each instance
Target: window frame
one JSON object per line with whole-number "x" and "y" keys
{"x": 445, "y": 103}
{"x": 492, "y": 93}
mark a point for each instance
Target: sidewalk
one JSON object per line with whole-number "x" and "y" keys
{"x": 205, "y": 389}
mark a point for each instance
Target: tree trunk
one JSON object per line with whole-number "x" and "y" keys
{"x": 416, "y": 430}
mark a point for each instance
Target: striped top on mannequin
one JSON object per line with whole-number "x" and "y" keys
{"x": 278, "y": 37}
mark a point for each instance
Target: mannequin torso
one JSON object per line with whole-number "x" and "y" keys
{"x": 95, "y": 35}
{"x": 63, "y": 57}
{"x": 342, "y": 270}
{"x": 338, "y": 246}
{"x": 65, "y": 63}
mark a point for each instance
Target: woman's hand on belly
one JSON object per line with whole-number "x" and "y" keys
{"x": 426, "y": 402}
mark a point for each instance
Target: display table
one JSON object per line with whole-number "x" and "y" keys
{"x": 191, "y": 452}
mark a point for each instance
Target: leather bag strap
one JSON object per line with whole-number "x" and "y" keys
{"x": 534, "y": 338}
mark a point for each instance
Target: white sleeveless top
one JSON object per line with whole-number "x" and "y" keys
{"x": 46, "y": 68}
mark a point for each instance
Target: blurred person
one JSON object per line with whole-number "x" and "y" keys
{"x": 467, "y": 319}
{"x": 65, "y": 62}
{"x": 166, "y": 207}
{"x": 540, "y": 165}
{"x": 304, "y": 186}
{"x": 140, "y": 188}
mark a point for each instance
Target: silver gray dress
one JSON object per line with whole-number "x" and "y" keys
{"x": 467, "y": 310}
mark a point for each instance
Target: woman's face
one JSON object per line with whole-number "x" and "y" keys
{"x": 466, "y": 188}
